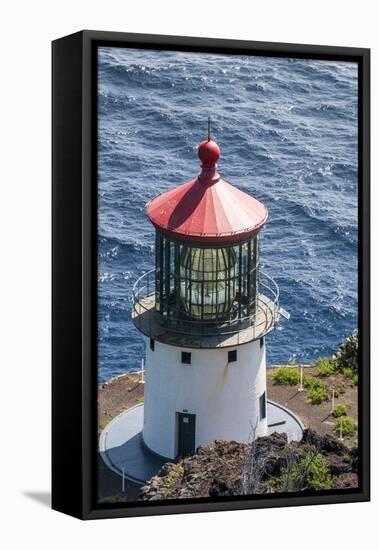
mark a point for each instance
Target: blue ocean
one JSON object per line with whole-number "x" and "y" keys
{"x": 287, "y": 129}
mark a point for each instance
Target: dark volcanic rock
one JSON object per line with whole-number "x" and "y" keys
{"x": 271, "y": 451}
{"x": 220, "y": 488}
{"x": 341, "y": 460}
{"x": 347, "y": 481}
{"x": 354, "y": 459}
{"x": 218, "y": 469}
{"x": 323, "y": 443}
{"x": 338, "y": 465}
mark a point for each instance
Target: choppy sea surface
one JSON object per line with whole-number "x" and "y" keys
{"x": 287, "y": 129}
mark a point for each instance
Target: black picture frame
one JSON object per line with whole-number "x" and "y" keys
{"x": 74, "y": 294}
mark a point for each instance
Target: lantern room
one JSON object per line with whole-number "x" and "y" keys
{"x": 206, "y": 286}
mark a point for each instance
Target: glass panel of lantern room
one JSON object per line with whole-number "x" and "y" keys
{"x": 171, "y": 279}
{"x": 175, "y": 307}
{"x": 245, "y": 251}
{"x": 158, "y": 271}
{"x": 163, "y": 276}
{"x": 248, "y": 276}
{"x": 254, "y": 278}
{"x": 240, "y": 275}
{"x": 208, "y": 285}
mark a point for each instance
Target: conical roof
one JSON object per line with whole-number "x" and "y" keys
{"x": 207, "y": 209}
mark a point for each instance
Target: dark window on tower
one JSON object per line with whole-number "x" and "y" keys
{"x": 152, "y": 344}
{"x": 232, "y": 356}
{"x": 262, "y": 341}
{"x": 186, "y": 357}
{"x": 262, "y": 406}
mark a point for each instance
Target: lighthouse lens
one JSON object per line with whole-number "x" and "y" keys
{"x": 208, "y": 281}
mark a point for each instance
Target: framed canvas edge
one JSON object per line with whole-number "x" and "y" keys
{"x": 67, "y": 128}
{"x": 88, "y": 451}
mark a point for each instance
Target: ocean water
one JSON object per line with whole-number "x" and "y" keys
{"x": 287, "y": 129}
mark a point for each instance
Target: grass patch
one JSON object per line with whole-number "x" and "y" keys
{"x": 102, "y": 424}
{"x": 174, "y": 475}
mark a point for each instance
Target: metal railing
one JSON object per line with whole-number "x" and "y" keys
{"x": 260, "y": 322}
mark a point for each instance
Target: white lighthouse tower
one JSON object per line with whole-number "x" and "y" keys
{"x": 204, "y": 312}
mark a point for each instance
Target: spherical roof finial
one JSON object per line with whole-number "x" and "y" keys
{"x": 209, "y": 152}
{"x": 207, "y": 209}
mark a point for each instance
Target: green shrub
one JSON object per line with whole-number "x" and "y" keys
{"x": 347, "y": 355}
{"x": 348, "y": 372}
{"x": 349, "y": 427}
{"x": 318, "y": 474}
{"x": 324, "y": 366}
{"x": 286, "y": 376}
{"x": 317, "y": 394}
{"x": 351, "y": 375}
{"x": 311, "y": 382}
{"x": 311, "y": 472}
{"x": 317, "y": 391}
{"x": 339, "y": 389}
{"x": 340, "y": 410}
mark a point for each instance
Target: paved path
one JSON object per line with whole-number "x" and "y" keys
{"x": 121, "y": 447}
{"x": 121, "y": 444}
{"x": 282, "y": 420}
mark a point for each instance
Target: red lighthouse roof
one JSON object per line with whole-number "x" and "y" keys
{"x": 207, "y": 209}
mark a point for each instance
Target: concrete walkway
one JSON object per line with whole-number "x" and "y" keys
{"x": 122, "y": 449}
{"x": 283, "y": 420}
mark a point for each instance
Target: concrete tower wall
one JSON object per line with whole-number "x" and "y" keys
{"x": 223, "y": 396}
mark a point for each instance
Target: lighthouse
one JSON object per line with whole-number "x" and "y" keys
{"x": 205, "y": 311}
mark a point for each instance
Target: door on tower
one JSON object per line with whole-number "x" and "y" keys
{"x": 186, "y": 434}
